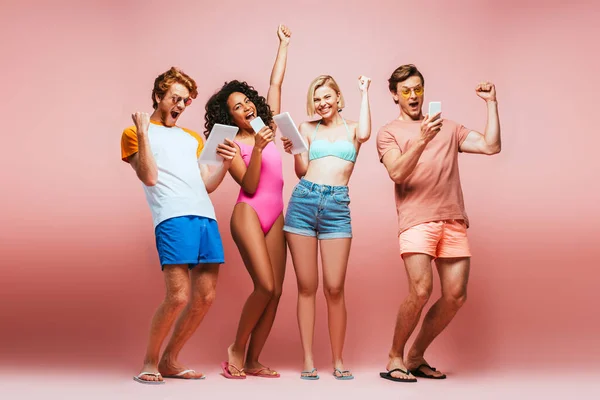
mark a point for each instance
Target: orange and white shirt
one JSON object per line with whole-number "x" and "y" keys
{"x": 179, "y": 189}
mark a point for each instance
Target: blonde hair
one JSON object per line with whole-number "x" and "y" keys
{"x": 323, "y": 80}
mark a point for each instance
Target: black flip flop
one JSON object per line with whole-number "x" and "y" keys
{"x": 420, "y": 374}
{"x": 388, "y": 375}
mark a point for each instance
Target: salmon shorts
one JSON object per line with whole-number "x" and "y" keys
{"x": 439, "y": 239}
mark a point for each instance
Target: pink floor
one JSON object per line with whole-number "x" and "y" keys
{"x": 513, "y": 384}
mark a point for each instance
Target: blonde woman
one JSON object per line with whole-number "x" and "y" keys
{"x": 318, "y": 213}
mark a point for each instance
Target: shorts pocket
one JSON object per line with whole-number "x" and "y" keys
{"x": 300, "y": 191}
{"x": 342, "y": 198}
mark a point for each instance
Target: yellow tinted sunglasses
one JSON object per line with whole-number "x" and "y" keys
{"x": 405, "y": 92}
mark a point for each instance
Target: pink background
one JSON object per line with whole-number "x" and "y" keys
{"x": 80, "y": 274}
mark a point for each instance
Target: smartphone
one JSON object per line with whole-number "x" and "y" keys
{"x": 257, "y": 124}
{"x": 435, "y": 107}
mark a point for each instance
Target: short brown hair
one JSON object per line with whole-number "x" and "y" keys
{"x": 401, "y": 74}
{"x": 322, "y": 80}
{"x": 165, "y": 80}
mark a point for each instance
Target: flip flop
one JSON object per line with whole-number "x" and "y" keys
{"x": 388, "y": 375}
{"x": 140, "y": 380}
{"x": 180, "y": 375}
{"x": 309, "y": 377}
{"x": 341, "y": 376}
{"x": 260, "y": 375}
{"x": 225, "y": 367}
{"x": 420, "y": 374}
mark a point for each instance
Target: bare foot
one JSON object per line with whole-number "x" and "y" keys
{"x": 397, "y": 363}
{"x": 416, "y": 362}
{"x": 152, "y": 369}
{"x": 170, "y": 368}
{"x": 235, "y": 359}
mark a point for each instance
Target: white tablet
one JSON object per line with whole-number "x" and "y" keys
{"x": 218, "y": 134}
{"x": 288, "y": 129}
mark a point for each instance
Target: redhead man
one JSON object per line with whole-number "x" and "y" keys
{"x": 165, "y": 158}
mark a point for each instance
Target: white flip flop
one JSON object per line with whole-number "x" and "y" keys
{"x": 140, "y": 380}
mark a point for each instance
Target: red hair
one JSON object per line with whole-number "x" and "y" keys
{"x": 165, "y": 80}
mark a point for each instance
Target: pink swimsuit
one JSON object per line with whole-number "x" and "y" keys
{"x": 267, "y": 201}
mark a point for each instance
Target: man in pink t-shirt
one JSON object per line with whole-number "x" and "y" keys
{"x": 420, "y": 154}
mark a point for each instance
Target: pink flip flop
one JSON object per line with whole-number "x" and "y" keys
{"x": 261, "y": 375}
{"x": 225, "y": 367}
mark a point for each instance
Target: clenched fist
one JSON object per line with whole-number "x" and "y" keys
{"x": 141, "y": 121}
{"x": 363, "y": 83}
{"x": 284, "y": 34}
{"x": 486, "y": 90}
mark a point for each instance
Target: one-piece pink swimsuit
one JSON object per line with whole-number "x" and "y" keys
{"x": 267, "y": 201}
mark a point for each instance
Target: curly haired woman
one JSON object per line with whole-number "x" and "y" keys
{"x": 257, "y": 218}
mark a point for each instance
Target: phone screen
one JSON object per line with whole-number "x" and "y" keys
{"x": 257, "y": 124}
{"x": 435, "y": 107}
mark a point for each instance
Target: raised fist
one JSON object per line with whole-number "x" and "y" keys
{"x": 141, "y": 121}
{"x": 486, "y": 90}
{"x": 284, "y": 34}
{"x": 363, "y": 83}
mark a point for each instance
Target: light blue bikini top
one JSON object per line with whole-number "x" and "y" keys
{"x": 343, "y": 149}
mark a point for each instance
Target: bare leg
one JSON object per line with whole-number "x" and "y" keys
{"x": 420, "y": 284}
{"x": 454, "y": 276}
{"x": 277, "y": 249}
{"x": 250, "y": 240}
{"x": 177, "y": 282}
{"x": 334, "y": 255}
{"x": 204, "y": 283}
{"x": 304, "y": 257}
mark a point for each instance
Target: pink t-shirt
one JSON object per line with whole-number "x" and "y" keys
{"x": 432, "y": 192}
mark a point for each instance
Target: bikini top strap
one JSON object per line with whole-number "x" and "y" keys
{"x": 347, "y": 130}
{"x": 315, "y": 132}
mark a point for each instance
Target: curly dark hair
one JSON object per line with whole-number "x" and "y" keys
{"x": 217, "y": 111}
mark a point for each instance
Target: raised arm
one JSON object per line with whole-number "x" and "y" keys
{"x": 363, "y": 132}
{"x": 400, "y": 165}
{"x": 278, "y": 73}
{"x": 143, "y": 161}
{"x": 490, "y": 142}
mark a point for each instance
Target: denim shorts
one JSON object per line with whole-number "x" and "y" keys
{"x": 320, "y": 211}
